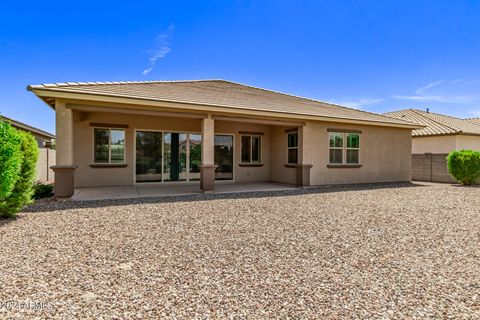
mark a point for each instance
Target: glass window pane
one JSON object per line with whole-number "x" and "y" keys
{"x": 117, "y": 141}
{"x": 352, "y": 156}
{"x": 100, "y": 142}
{"x": 148, "y": 156}
{"x": 223, "y": 157}
{"x": 336, "y": 140}
{"x": 293, "y": 140}
{"x": 336, "y": 155}
{"x": 195, "y": 156}
{"x": 256, "y": 149}
{"x": 175, "y": 156}
{"x": 353, "y": 140}
{"x": 293, "y": 155}
{"x": 246, "y": 149}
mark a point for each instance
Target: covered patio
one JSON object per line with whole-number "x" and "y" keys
{"x": 169, "y": 190}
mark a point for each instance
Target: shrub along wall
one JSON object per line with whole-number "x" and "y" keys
{"x": 464, "y": 166}
{"x": 18, "y": 158}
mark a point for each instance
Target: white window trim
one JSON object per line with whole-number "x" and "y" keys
{"x": 251, "y": 149}
{"x": 344, "y": 148}
{"x": 292, "y": 148}
{"x": 109, "y": 145}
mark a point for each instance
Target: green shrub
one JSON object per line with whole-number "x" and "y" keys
{"x": 10, "y": 159}
{"x": 43, "y": 191}
{"x": 22, "y": 192}
{"x": 464, "y": 166}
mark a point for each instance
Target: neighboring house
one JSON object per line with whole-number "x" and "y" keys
{"x": 124, "y": 133}
{"x": 46, "y": 156}
{"x": 431, "y": 145}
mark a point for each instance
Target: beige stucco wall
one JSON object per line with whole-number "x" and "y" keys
{"x": 384, "y": 152}
{"x": 278, "y": 156}
{"x": 434, "y": 144}
{"x": 384, "y": 155}
{"x": 83, "y": 150}
{"x": 444, "y": 144}
{"x": 468, "y": 142}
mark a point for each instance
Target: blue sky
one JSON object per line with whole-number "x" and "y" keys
{"x": 374, "y": 55}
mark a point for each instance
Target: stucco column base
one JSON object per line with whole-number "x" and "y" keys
{"x": 207, "y": 177}
{"x": 303, "y": 175}
{"x": 64, "y": 181}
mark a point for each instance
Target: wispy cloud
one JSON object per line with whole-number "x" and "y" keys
{"x": 424, "y": 93}
{"x": 357, "y": 103}
{"x": 475, "y": 113}
{"x": 161, "y": 48}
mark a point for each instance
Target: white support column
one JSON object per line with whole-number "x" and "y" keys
{"x": 207, "y": 171}
{"x": 64, "y": 168}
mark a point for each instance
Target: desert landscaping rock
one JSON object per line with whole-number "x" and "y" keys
{"x": 378, "y": 251}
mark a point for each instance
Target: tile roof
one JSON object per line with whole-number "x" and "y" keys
{"x": 220, "y": 93}
{"x": 475, "y": 120}
{"x": 437, "y": 124}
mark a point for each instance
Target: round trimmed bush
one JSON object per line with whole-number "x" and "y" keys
{"x": 464, "y": 166}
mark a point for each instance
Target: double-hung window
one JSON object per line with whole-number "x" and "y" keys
{"x": 292, "y": 146}
{"x": 108, "y": 146}
{"x": 251, "y": 149}
{"x": 344, "y": 148}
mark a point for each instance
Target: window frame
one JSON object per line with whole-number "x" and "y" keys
{"x": 350, "y": 148}
{"x": 109, "y": 162}
{"x": 344, "y": 148}
{"x": 260, "y": 158}
{"x": 292, "y": 148}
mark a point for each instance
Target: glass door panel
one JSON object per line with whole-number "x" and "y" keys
{"x": 174, "y": 156}
{"x": 195, "y": 141}
{"x": 223, "y": 157}
{"x": 148, "y": 156}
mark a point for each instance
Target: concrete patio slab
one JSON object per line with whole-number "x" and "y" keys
{"x": 166, "y": 190}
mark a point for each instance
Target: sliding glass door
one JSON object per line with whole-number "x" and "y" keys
{"x": 223, "y": 157}
{"x": 176, "y": 156}
{"x": 149, "y": 156}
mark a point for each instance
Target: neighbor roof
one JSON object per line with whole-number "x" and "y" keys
{"x": 437, "y": 124}
{"x": 218, "y": 93}
{"x": 26, "y": 127}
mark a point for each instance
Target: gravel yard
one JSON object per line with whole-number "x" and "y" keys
{"x": 379, "y": 251}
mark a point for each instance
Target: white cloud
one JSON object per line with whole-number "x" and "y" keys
{"x": 422, "y": 90}
{"x": 422, "y": 94}
{"x": 456, "y": 81}
{"x": 357, "y": 103}
{"x": 161, "y": 49}
{"x": 437, "y": 98}
{"x": 475, "y": 113}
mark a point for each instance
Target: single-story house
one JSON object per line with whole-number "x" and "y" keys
{"x": 44, "y": 138}
{"x": 46, "y": 154}
{"x": 431, "y": 144}
{"x": 202, "y": 131}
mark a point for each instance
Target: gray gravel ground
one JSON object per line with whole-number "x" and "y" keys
{"x": 378, "y": 251}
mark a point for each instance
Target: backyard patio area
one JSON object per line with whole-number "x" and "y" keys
{"x": 365, "y": 251}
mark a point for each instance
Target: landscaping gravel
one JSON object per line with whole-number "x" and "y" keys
{"x": 377, "y": 251}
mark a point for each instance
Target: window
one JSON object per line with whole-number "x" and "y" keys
{"x": 109, "y": 145}
{"x": 251, "y": 149}
{"x": 341, "y": 153}
{"x": 353, "y": 146}
{"x": 292, "y": 146}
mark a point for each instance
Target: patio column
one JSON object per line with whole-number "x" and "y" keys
{"x": 64, "y": 168}
{"x": 304, "y": 157}
{"x": 207, "y": 169}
